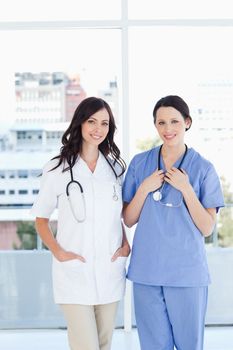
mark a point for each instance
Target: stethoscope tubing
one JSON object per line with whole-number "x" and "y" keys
{"x": 79, "y": 184}
{"x": 157, "y": 195}
{"x": 72, "y": 181}
{"x": 181, "y": 162}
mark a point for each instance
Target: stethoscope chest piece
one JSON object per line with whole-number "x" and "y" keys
{"x": 114, "y": 196}
{"x": 157, "y": 196}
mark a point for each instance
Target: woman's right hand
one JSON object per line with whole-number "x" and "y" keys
{"x": 47, "y": 236}
{"x": 63, "y": 255}
{"x": 153, "y": 182}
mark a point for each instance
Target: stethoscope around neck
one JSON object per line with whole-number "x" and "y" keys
{"x": 158, "y": 194}
{"x": 77, "y": 199}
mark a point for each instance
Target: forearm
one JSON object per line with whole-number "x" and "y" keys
{"x": 202, "y": 218}
{"x": 131, "y": 211}
{"x": 46, "y": 235}
{"x": 125, "y": 241}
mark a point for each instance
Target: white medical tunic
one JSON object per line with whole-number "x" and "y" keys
{"x": 98, "y": 280}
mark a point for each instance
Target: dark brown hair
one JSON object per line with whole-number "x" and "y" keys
{"x": 176, "y": 102}
{"x": 72, "y": 138}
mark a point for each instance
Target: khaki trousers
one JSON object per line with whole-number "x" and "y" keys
{"x": 90, "y": 327}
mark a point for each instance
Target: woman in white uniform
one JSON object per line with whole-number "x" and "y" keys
{"x": 173, "y": 194}
{"x": 90, "y": 248}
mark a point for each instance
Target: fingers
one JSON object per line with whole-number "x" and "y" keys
{"x": 121, "y": 252}
{"x": 81, "y": 258}
{"x": 174, "y": 171}
{"x": 171, "y": 174}
{"x": 159, "y": 172}
{"x": 183, "y": 171}
{"x": 73, "y": 256}
{"x": 116, "y": 254}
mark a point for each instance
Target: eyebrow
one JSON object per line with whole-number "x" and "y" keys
{"x": 104, "y": 120}
{"x": 163, "y": 120}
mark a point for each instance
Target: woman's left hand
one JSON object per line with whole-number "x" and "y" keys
{"x": 177, "y": 178}
{"x": 124, "y": 251}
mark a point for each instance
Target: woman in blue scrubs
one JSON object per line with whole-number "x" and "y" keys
{"x": 173, "y": 194}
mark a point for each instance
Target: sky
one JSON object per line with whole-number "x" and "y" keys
{"x": 84, "y": 52}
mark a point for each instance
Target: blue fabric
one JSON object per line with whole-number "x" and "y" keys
{"x": 168, "y": 249}
{"x": 170, "y": 316}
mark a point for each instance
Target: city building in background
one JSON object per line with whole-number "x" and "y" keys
{"x": 46, "y": 97}
{"x": 110, "y": 95}
{"x": 45, "y": 104}
{"x": 213, "y": 123}
{"x": 215, "y": 111}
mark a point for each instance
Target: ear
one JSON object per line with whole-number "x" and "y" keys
{"x": 188, "y": 123}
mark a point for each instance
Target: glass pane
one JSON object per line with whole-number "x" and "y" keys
{"x": 150, "y": 9}
{"x": 47, "y": 10}
{"x": 41, "y": 85}
{"x": 195, "y": 63}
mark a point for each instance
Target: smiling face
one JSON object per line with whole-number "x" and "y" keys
{"x": 171, "y": 125}
{"x": 95, "y": 129}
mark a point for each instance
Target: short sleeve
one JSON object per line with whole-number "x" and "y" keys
{"x": 129, "y": 184}
{"x": 46, "y": 200}
{"x": 211, "y": 195}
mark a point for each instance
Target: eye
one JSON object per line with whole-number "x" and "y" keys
{"x": 90, "y": 121}
{"x": 105, "y": 123}
{"x": 175, "y": 121}
{"x": 161, "y": 123}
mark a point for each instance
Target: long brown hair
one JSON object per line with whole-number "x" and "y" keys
{"x": 72, "y": 138}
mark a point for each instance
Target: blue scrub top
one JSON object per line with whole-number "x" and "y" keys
{"x": 168, "y": 249}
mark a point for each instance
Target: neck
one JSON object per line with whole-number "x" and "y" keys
{"x": 173, "y": 151}
{"x": 89, "y": 153}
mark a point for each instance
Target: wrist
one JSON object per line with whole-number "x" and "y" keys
{"x": 187, "y": 190}
{"x": 142, "y": 190}
{"x": 56, "y": 250}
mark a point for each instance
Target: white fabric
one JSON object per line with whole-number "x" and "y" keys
{"x": 98, "y": 281}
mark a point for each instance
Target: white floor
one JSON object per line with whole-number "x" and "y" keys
{"x": 216, "y": 338}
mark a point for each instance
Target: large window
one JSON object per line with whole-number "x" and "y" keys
{"x": 45, "y": 75}
{"x": 69, "y": 10}
{"x": 195, "y": 63}
{"x": 179, "y": 9}
{"x": 128, "y": 52}
{"x": 131, "y": 53}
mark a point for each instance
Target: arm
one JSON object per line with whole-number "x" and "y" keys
{"x": 47, "y": 237}
{"x": 203, "y": 218}
{"x": 132, "y": 210}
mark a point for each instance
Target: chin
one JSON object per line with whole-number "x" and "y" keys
{"x": 170, "y": 141}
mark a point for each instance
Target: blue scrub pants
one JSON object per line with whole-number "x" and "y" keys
{"x": 169, "y": 317}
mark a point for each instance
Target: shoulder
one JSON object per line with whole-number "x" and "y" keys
{"x": 200, "y": 160}
{"x": 141, "y": 158}
{"x": 201, "y": 166}
{"x": 49, "y": 168}
{"x": 117, "y": 166}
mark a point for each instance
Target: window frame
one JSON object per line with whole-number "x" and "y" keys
{"x": 124, "y": 23}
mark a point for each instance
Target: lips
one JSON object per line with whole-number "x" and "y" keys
{"x": 96, "y": 137}
{"x": 169, "y": 137}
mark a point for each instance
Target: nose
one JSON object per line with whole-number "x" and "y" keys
{"x": 98, "y": 128}
{"x": 167, "y": 126}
